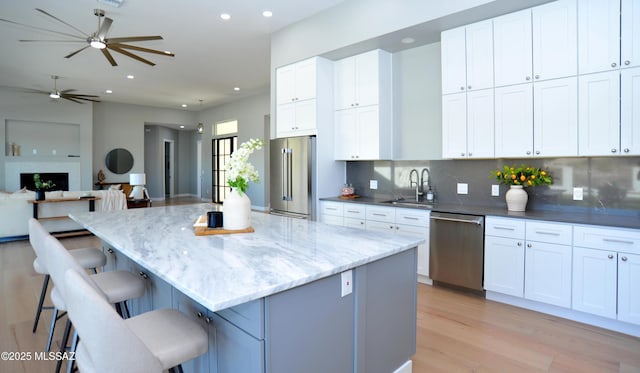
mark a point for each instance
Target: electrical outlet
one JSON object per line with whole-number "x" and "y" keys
{"x": 577, "y": 194}
{"x": 495, "y": 190}
{"x": 35, "y": 151}
{"x": 463, "y": 188}
{"x": 347, "y": 282}
{"x": 373, "y": 184}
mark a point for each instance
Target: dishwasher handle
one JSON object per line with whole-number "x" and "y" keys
{"x": 475, "y": 220}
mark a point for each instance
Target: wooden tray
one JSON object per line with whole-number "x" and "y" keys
{"x": 349, "y": 196}
{"x": 200, "y": 228}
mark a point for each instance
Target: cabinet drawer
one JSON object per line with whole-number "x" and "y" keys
{"x": 504, "y": 227}
{"x": 372, "y": 225}
{"x": 605, "y": 238}
{"x": 381, "y": 214}
{"x": 247, "y": 316}
{"x": 556, "y": 233}
{"x": 352, "y": 210}
{"x": 331, "y": 219}
{"x": 331, "y": 208}
{"x": 354, "y": 223}
{"x": 415, "y": 217}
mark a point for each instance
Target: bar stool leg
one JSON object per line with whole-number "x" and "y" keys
{"x": 52, "y": 328}
{"x": 74, "y": 345}
{"x": 45, "y": 284}
{"x": 63, "y": 344}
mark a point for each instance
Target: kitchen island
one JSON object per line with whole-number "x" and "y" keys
{"x": 278, "y": 299}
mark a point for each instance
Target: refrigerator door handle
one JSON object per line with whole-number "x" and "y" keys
{"x": 283, "y": 159}
{"x": 290, "y": 175}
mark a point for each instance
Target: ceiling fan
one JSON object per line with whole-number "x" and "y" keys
{"x": 66, "y": 94}
{"x": 99, "y": 40}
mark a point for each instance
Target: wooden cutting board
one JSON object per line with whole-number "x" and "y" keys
{"x": 200, "y": 228}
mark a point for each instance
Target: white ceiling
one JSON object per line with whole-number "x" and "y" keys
{"x": 212, "y": 56}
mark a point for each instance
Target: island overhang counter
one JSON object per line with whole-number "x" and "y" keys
{"x": 273, "y": 299}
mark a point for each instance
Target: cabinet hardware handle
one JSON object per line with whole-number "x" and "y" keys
{"x": 391, "y": 227}
{"x": 624, "y": 258}
{"x": 462, "y": 154}
{"x": 614, "y": 150}
{"x": 144, "y": 275}
{"x": 357, "y": 104}
{"x": 538, "y": 152}
{"x": 528, "y": 78}
{"x": 537, "y": 76}
{"x": 353, "y": 211}
{"x": 469, "y": 87}
{"x": 199, "y": 314}
{"x": 470, "y": 154}
{"x": 410, "y": 218}
{"x": 361, "y": 223}
{"x": 614, "y": 64}
{"x": 610, "y": 256}
{"x": 626, "y": 150}
{"x": 627, "y": 62}
{"x": 378, "y": 214}
{"x": 504, "y": 228}
{"x": 529, "y": 245}
{"x": 331, "y": 208}
{"x": 110, "y": 250}
{"x": 519, "y": 243}
{"x": 208, "y": 320}
{"x": 613, "y": 240}
{"x": 462, "y": 88}
{"x": 548, "y": 233}
{"x": 528, "y": 152}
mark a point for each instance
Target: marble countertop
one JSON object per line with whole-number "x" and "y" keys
{"x": 221, "y": 271}
{"x": 577, "y": 216}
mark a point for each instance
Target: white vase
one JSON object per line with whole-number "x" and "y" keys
{"x": 236, "y": 211}
{"x": 516, "y": 198}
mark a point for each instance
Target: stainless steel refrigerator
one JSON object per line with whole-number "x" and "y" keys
{"x": 291, "y": 164}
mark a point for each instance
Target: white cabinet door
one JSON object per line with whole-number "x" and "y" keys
{"x": 285, "y": 84}
{"x": 512, "y": 48}
{"x": 453, "y": 57}
{"x": 599, "y": 114}
{"x": 368, "y": 133}
{"x": 305, "y": 115}
{"x": 345, "y": 135}
{"x": 554, "y": 40}
{"x": 629, "y": 288}
{"x": 479, "y": 47}
{"x": 630, "y": 33}
{"x": 630, "y": 111}
{"x": 504, "y": 265}
{"x": 423, "y": 249}
{"x": 599, "y": 30}
{"x": 345, "y": 83}
{"x": 555, "y": 128}
{"x": 548, "y": 273}
{"x": 296, "y": 119}
{"x": 454, "y": 125}
{"x": 305, "y": 79}
{"x": 480, "y": 124}
{"x": 594, "y": 288}
{"x": 514, "y": 121}
{"x": 367, "y": 77}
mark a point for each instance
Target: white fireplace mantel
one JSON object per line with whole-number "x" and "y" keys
{"x": 14, "y": 167}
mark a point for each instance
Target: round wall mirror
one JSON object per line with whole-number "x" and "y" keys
{"x": 119, "y": 161}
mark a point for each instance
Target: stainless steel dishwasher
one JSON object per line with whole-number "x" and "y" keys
{"x": 457, "y": 249}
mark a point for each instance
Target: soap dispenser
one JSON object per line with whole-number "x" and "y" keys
{"x": 430, "y": 195}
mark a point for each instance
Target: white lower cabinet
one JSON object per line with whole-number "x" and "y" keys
{"x": 595, "y": 281}
{"x": 629, "y": 288}
{"x": 548, "y": 273}
{"x": 504, "y": 265}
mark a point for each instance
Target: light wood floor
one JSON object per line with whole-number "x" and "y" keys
{"x": 456, "y": 332}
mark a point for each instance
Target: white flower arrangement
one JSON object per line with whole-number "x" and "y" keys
{"x": 239, "y": 170}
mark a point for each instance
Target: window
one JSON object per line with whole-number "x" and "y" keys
{"x": 222, "y": 146}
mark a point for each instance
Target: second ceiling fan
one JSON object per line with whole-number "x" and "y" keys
{"x": 99, "y": 39}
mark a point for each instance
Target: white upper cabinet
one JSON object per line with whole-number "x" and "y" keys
{"x": 630, "y": 33}
{"x": 362, "y": 122}
{"x": 555, "y": 112}
{"x": 468, "y": 125}
{"x": 467, "y": 58}
{"x": 514, "y": 121}
{"x": 554, "y": 40}
{"x": 599, "y": 114}
{"x": 512, "y": 48}
{"x": 630, "y": 111}
{"x": 599, "y": 30}
{"x": 296, "y": 82}
{"x": 357, "y": 80}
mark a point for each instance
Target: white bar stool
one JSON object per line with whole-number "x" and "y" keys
{"x": 151, "y": 342}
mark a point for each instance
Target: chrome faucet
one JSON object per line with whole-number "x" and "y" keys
{"x": 429, "y": 193}
{"x": 416, "y": 183}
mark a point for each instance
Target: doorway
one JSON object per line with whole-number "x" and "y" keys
{"x": 168, "y": 168}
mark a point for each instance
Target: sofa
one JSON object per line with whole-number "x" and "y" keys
{"x": 15, "y": 210}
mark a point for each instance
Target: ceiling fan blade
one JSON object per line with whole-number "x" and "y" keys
{"x": 43, "y": 29}
{"x": 76, "y": 52}
{"x": 104, "y": 28}
{"x": 133, "y": 38}
{"x": 129, "y": 54}
{"x": 52, "y": 41}
{"x": 63, "y": 22}
{"x": 141, "y": 49}
{"x": 72, "y": 99}
{"x": 109, "y": 57}
{"x": 67, "y": 91}
{"x": 81, "y": 97}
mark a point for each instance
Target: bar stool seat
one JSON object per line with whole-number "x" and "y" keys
{"x": 151, "y": 342}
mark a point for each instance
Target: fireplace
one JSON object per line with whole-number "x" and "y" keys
{"x": 60, "y": 179}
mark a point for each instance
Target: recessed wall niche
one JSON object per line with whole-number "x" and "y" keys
{"x": 43, "y": 139}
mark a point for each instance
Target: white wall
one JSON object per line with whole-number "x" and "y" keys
{"x": 250, "y": 114}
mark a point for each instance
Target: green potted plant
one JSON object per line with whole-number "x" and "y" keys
{"x": 519, "y": 178}
{"x": 41, "y": 187}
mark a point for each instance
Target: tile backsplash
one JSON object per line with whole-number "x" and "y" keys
{"x": 611, "y": 185}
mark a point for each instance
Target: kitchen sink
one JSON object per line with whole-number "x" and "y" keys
{"x": 408, "y": 203}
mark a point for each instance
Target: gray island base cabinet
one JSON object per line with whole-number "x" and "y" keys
{"x": 273, "y": 300}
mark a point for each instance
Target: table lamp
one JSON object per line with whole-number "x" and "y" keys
{"x": 137, "y": 181}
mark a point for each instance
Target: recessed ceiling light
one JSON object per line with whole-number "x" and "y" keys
{"x": 130, "y": 76}
{"x": 236, "y": 88}
{"x": 225, "y": 16}
{"x": 408, "y": 40}
{"x": 182, "y": 126}
{"x": 267, "y": 13}
{"x": 184, "y": 105}
{"x": 108, "y": 91}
